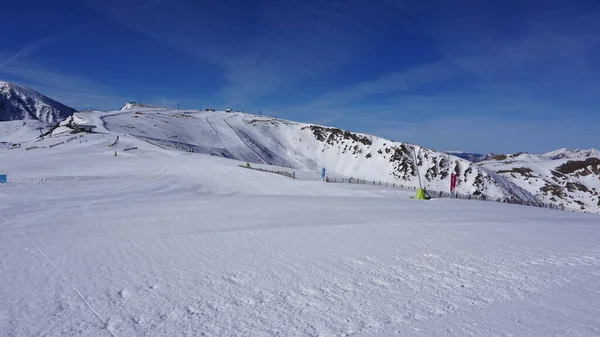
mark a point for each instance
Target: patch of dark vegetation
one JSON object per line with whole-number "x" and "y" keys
{"x": 432, "y": 172}
{"x": 331, "y": 135}
{"x": 505, "y": 156}
{"x": 479, "y": 180}
{"x": 368, "y": 156}
{"x": 272, "y": 121}
{"x": 555, "y": 190}
{"x": 572, "y": 187}
{"x": 524, "y": 171}
{"x": 443, "y": 168}
{"x": 582, "y": 167}
{"x": 468, "y": 171}
{"x": 401, "y": 158}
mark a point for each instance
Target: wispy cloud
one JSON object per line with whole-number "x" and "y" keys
{"x": 261, "y": 48}
{"x": 73, "y": 90}
{"x": 32, "y": 47}
{"x": 541, "y": 67}
{"x": 77, "y": 91}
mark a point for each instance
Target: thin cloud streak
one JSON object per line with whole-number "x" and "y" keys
{"x": 76, "y": 91}
{"x": 30, "y": 48}
{"x": 278, "y": 44}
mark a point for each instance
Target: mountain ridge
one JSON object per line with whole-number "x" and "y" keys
{"x": 21, "y": 103}
{"x": 275, "y": 141}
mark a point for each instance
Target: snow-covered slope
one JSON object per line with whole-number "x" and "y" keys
{"x": 21, "y": 103}
{"x": 135, "y": 105}
{"x": 279, "y": 142}
{"x": 21, "y": 131}
{"x": 571, "y": 154}
{"x": 158, "y": 242}
{"x": 571, "y": 183}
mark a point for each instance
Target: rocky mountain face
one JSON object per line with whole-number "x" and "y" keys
{"x": 21, "y": 103}
{"x": 260, "y": 139}
{"x": 372, "y": 157}
{"x": 569, "y": 179}
{"x": 557, "y": 178}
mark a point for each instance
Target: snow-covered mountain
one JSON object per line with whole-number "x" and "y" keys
{"x": 259, "y": 139}
{"x": 571, "y": 154}
{"x": 155, "y": 241}
{"x": 472, "y": 157}
{"x": 21, "y": 103}
{"x": 566, "y": 178}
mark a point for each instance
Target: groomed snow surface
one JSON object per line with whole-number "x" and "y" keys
{"x": 159, "y": 242}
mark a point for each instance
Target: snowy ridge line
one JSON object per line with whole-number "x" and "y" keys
{"x": 104, "y": 324}
{"x": 441, "y": 194}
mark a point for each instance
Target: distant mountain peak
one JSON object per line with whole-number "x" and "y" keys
{"x": 472, "y": 157}
{"x": 136, "y": 105}
{"x": 21, "y": 103}
{"x": 565, "y": 153}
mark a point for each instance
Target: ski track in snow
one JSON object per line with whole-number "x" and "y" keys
{"x": 237, "y": 134}
{"x": 156, "y": 242}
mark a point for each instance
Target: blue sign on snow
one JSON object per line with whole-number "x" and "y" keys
{"x": 2, "y": 178}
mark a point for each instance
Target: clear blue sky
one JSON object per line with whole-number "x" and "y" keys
{"x": 501, "y": 76}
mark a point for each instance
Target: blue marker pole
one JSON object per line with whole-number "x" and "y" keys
{"x": 323, "y": 174}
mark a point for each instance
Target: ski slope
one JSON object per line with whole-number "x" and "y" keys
{"x": 162, "y": 242}
{"x": 259, "y": 139}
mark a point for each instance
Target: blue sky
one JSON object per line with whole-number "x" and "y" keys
{"x": 500, "y": 76}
